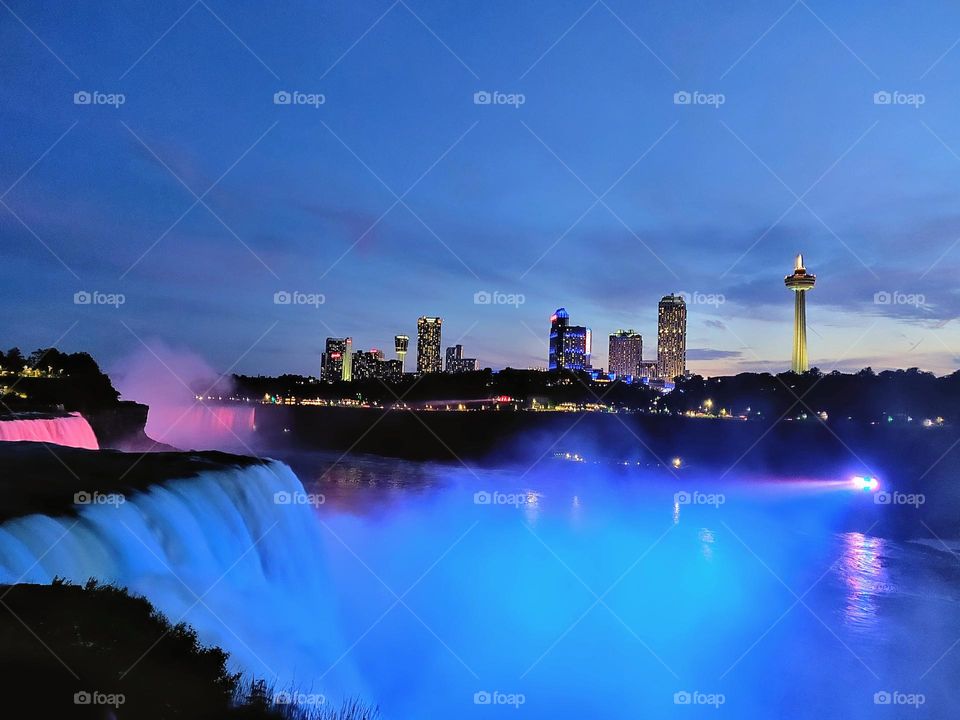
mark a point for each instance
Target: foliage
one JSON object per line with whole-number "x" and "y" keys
{"x": 61, "y": 641}
{"x": 73, "y": 380}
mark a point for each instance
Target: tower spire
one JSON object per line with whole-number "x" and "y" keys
{"x": 800, "y": 282}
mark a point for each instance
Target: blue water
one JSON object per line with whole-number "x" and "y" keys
{"x": 597, "y": 591}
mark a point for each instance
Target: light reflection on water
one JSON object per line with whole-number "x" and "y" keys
{"x": 862, "y": 570}
{"x": 599, "y": 595}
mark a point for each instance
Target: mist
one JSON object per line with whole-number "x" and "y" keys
{"x": 169, "y": 380}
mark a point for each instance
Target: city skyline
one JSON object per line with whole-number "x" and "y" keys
{"x": 698, "y": 169}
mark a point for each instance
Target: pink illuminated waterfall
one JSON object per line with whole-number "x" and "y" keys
{"x": 71, "y": 430}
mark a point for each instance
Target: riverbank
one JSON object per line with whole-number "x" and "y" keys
{"x": 54, "y": 480}
{"x": 98, "y": 652}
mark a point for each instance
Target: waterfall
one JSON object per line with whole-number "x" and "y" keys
{"x": 226, "y": 551}
{"x": 202, "y": 425}
{"x": 72, "y": 430}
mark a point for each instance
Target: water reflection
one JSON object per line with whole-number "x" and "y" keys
{"x": 865, "y": 577}
{"x": 707, "y": 538}
{"x": 362, "y": 485}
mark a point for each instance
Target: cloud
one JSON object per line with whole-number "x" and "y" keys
{"x": 711, "y": 354}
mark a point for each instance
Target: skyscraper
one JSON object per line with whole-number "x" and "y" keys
{"x": 371, "y": 365}
{"x": 401, "y": 343}
{"x": 366, "y": 364}
{"x": 800, "y": 282}
{"x": 457, "y": 363}
{"x": 625, "y": 353}
{"x": 671, "y": 337}
{"x": 336, "y": 362}
{"x": 428, "y": 345}
{"x": 569, "y": 344}
{"x": 454, "y": 353}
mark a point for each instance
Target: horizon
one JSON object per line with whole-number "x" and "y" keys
{"x": 593, "y": 157}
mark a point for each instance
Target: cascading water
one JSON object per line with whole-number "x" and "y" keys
{"x": 226, "y": 427}
{"x": 234, "y": 553}
{"x": 71, "y": 430}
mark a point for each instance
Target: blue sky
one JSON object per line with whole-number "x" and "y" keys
{"x": 400, "y": 196}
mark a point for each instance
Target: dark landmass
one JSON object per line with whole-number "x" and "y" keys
{"x": 48, "y": 377}
{"x": 98, "y": 652}
{"x": 509, "y": 437}
{"x": 49, "y": 383}
{"x": 42, "y": 478}
{"x": 907, "y": 457}
{"x": 864, "y": 395}
{"x": 522, "y": 385}
{"x": 122, "y": 426}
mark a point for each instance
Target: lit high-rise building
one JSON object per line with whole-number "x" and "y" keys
{"x": 647, "y": 370}
{"x": 366, "y": 364}
{"x": 800, "y": 282}
{"x": 428, "y": 345}
{"x": 625, "y": 353}
{"x": 392, "y": 370}
{"x": 336, "y": 362}
{"x": 453, "y": 354}
{"x": 569, "y": 344}
{"x": 671, "y": 337}
{"x": 401, "y": 343}
{"x": 457, "y": 363}
{"x": 371, "y": 365}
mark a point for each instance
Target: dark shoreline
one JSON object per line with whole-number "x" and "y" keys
{"x": 43, "y": 478}
{"x": 505, "y": 438}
